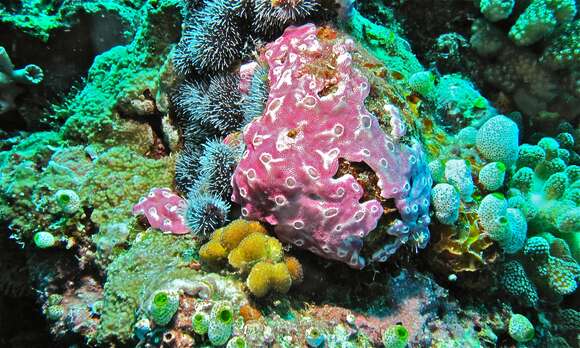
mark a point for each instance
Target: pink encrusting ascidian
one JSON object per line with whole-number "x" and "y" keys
{"x": 163, "y": 210}
{"x": 287, "y": 174}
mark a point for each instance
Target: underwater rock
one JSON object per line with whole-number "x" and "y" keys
{"x": 222, "y": 115}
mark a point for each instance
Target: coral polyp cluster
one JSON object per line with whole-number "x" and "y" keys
{"x": 247, "y": 248}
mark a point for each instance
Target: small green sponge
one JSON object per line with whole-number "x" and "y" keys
{"x": 220, "y": 324}
{"x": 163, "y": 307}
{"x": 200, "y": 323}
{"x": 44, "y": 240}
{"x": 396, "y": 336}
{"x": 237, "y": 342}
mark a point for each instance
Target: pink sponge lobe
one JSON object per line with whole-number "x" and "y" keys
{"x": 163, "y": 210}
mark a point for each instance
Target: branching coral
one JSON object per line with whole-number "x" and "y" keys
{"x": 529, "y": 80}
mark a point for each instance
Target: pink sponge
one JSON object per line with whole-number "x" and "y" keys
{"x": 164, "y": 210}
{"x": 286, "y": 175}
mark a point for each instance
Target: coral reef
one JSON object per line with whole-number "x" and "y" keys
{"x": 289, "y": 173}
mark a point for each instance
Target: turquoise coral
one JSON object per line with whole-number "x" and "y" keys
{"x": 540, "y": 19}
{"x": 497, "y": 140}
{"x": 446, "y": 202}
{"x": 44, "y": 240}
{"x": 496, "y": 10}
{"x": 520, "y": 328}
{"x": 492, "y": 176}
{"x": 516, "y": 283}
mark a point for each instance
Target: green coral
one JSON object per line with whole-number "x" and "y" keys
{"x": 555, "y": 186}
{"x": 530, "y": 155}
{"x": 41, "y": 18}
{"x": 134, "y": 174}
{"x": 44, "y": 240}
{"x": 516, "y": 283}
{"x": 31, "y": 172}
{"x": 154, "y": 260}
{"x": 520, "y": 328}
{"x": 117, "y": 78}
{"x": 564, "y": 50}
{"x": 54, "y": 312}
{"x": 540, "y": 19}
{"x": 385, "y": 44}
{"x": 422, "y": 82}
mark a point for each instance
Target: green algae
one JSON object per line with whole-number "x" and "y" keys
{"x": 385, "y": 44}
{"x": 111, "y": 173}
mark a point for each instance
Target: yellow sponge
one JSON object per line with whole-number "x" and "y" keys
{"x": 259, "y": 279}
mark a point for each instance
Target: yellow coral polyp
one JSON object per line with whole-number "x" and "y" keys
{"x": 265, "y": 277}
{"x": 225, "y": 239}
{"x": 280, "y": 278}
{"x": 258, "y": 281}
{"x": 295, "y": 269}
{"x": 237, "y": 231}
{"x": 212, "y": 252}
{"x": 255, "y": 247}
{"x": 249, "y": 249}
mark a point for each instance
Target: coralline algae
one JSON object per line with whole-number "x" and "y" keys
{"x": 286, "y": 176}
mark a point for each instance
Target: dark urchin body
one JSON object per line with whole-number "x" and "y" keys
{"x": 205, "y": 213}
{"x": 212, "y": 38}
{"x": 216, "y": 167}
{"x": 271, "y": 17}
